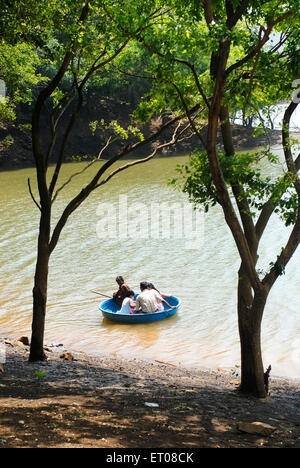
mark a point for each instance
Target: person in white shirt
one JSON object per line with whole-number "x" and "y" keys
{"x": 128, "y": 304}
{"x": 163, "y": 296}
{"x": 149, "y": 299}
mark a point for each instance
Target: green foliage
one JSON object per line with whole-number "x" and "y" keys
{"x": 176, "y": 33}
{"x": 266, "y": 79}
{"x": 124, "y": 80}
{"x": 7, "y": 141}
{"x": 40, "y": 375}
{"x": 19, "y": 63}
{"x": 31, "y": 21}
{"x": 18, "y": 69}
{"x": 196, "y": 180}
{"x": 237, "y": 169}
{"x": 116, "y": 129}
{"x": 7, "y": 111}
{"x": 182, "y": 39}
{"x": 37, "y": 35}
{"x": 240, "y": 169}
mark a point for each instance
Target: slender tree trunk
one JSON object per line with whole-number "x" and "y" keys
{"x": 250, "y": 312}
{"x": 40, "y": 290}
{"x": 252, "y": 378}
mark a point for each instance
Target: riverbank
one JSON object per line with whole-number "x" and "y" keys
{"x": 84, "y": 145}
{"x": 79, "y": 400}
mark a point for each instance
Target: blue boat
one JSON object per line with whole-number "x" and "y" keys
{"x": 110, "y": 311}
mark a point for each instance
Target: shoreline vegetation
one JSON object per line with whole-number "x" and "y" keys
{"x": 85, "y": 401}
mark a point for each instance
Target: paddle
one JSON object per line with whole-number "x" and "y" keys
{"x": 101, "y": 294}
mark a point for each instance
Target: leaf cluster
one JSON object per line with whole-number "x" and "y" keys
{"x": 241, "y": 169}
{"x": 116, "y": 129}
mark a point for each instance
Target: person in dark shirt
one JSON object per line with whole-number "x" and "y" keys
{"x": 120, "y": 295}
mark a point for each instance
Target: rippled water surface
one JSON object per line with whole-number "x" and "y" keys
{"x": 203, "y": 275}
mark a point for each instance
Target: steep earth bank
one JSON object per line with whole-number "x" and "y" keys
{"x": 82, "y": 142}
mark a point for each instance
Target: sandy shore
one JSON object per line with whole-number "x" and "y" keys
{"x": 85, "y": 401}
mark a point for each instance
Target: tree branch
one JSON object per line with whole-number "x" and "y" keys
{"x": 208, "y": 13}
{"x": 192, "y": 123}
{"x": 95, "y": 67}
{"x": 234, "y": 15}
{"x": 293, "y": 167}
{"x": 40, "y": 160}
{"x": 91, "y": 163}
{"x": 84, "y": 193}
{"x": 216, "y": 170}
{"x": 55, "y": 120}
{"x": 175, "y": 138}
{"x": 65, "y": 139}
{"x": 262, "y": 41}
{"x": 31, "y": 194}
{"x": 294, "y": 238}
{"x": 287, "y": 144}
{"x": 196, "y": 79}
{"x": 237, "y": 189}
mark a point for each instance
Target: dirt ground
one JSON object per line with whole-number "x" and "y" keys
{"x": 109, "y": 402}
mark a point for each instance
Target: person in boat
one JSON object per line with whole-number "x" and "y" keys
{"x": 149, "y": 299}
{"x": 128, "y": 304}
{"x": 120, "y": 295}
{"x": 162, "y": 296}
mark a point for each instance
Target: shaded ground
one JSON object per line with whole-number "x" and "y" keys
{"x": 103, "y": 402}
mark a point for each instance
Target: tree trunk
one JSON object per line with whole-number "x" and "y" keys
{"x": 40, "y": 291}
{"x": 250, "y": 312}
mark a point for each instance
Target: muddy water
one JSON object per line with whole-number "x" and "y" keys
{"x": 138, "y": 227}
